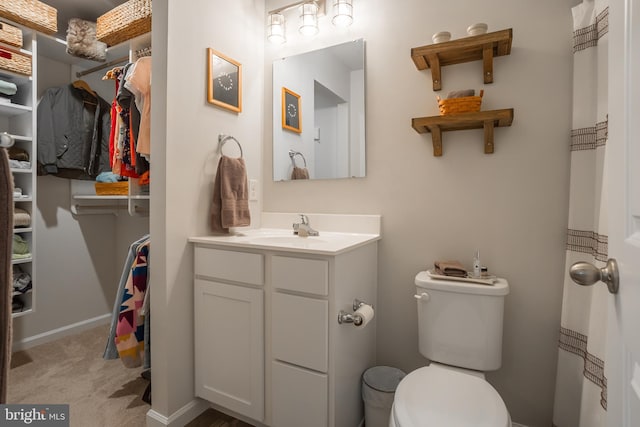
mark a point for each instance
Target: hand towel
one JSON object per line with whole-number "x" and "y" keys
{"x": 230, "y": 196}
{"x": 450, "y": 268}
{"x": 299, "y": 173}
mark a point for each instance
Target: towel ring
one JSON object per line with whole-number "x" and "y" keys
{"x": 222, "y": 139}
{"x": 293, "y": 153}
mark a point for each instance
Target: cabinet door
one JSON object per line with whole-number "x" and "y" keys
{"x": 300, "y": 331}
{"x": 299, "y": 397}
{"x": 229, "y": 347}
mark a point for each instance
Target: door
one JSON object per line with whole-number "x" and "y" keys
{"x": 623, "y": 189}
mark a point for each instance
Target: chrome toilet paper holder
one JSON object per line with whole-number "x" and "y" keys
{"x": 355, "y": 318}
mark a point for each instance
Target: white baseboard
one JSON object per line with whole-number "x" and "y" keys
{"x": 58, "y": 333}
{"x": 179, "y": 418}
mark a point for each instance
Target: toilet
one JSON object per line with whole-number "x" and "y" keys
{"x": 460, "y": 332}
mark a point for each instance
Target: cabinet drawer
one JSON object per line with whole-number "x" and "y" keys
{"x": 300, "y": 275}
{"x": 229, "y": 265}
{"x": 299, "y": 397}
{"x": 300, "y": 331}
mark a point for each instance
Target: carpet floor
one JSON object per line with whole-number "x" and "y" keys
{"x": 100, "y": 393}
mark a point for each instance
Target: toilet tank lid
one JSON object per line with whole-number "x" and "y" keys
{"x": 424, "y": 280}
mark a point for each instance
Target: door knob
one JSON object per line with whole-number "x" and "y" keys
{"x": 586, "y": 274}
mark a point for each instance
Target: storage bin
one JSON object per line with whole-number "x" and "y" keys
{"x": 124, "y": 22}
{"x": 112, "y": 188}
{"x": 10, "y": 34}
{"x": 465, "y": 104}
{"x": 31, "y": 13}
{"x": 17, "y": 62}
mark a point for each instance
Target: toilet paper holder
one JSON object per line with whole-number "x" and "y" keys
{"x": 355, "y": 318}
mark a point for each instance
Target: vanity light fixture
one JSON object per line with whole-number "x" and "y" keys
{"x": 276, "y": 33}
{"x": 308, "y": 19}
{"x": 309, "y": 11}
{"x": 342, "y": 13}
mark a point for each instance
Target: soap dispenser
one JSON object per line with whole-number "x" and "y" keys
{"x": 476, "y": 264}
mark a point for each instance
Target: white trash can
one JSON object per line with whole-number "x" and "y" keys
{"x": 378, "y": 389}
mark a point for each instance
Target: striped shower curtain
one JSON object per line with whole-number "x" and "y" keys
{"x": 581, "y": 387}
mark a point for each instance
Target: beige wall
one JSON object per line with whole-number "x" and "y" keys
{"x": 510, "y": 205}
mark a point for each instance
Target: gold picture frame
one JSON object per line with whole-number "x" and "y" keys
{"x": 291, "y": 111}
{"x": 224, "y": 81}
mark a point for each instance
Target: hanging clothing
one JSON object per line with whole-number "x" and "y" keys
{"x": 139, "y": 83}
{"x": 73, "y": 128}
{"x": 129, "y": 333}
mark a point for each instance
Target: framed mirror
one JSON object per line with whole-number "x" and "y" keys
{"x": 319, "y": 114}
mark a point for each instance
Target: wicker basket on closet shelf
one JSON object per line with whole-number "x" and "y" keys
{"x": 10, "y": 34}
{"x": 120, "y": 188}
{"x": 124, "y": 22}
{"x": 15, "y": 61}
{"x": 31, "y": 13}
{"x": 464, "y": 104}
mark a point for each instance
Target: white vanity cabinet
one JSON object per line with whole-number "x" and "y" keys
{"x": 311, "y": 365}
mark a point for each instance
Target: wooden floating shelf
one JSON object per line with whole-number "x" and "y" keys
{"x": 483, "y": 47}
{"x": 487, "y": 120}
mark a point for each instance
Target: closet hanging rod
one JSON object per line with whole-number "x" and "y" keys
{"x": 103, "y": 66}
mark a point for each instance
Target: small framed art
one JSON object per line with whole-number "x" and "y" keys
{"x": 291, "y": 111}
{"x": 224, "y": 81}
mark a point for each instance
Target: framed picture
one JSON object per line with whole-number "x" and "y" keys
{"x": 291, "y": 111}
{"x": 224, "y": 81}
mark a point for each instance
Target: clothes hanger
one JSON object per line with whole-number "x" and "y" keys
{"x": 81, "y": 84}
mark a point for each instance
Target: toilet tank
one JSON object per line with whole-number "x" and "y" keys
{"x": 460, "y": 323}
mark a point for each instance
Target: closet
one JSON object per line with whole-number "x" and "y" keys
{"x": 82, "y": 237}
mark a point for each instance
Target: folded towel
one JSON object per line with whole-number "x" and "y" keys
{"x": 461, "y": 93}
{"x": 230, "y": 206}
{"x": 450, "y": 268}
{"x": 8, "y": 88}
{"x": 299, "y": 173}
{"x": 21, "y": 218}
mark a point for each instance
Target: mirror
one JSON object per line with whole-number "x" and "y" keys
{"x": 319, "y": 114}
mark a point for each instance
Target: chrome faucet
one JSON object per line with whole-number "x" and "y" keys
{"x": 303, "y": 228}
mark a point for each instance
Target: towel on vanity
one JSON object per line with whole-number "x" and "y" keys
{"x": 299, "y": 173}
{"x": 450, "y": 268}
{"x": 230, "y": 196}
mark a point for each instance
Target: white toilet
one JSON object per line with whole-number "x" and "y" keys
{"x": 460, "y": 331}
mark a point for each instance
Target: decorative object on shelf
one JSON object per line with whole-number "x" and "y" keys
{"x": 486, "y": 120}
{"x": 10, "y": 35}
{"x": 224, "y": 81}
{"x": 442, "y": 36}
{"x": 460, "y": 104}
{"x": 124, "y": 22}
{"x": 82, "y": 41}
{"x": 15, "y": 61}
{"x": 477, "y": 29}
{"x": 291, "y": 111}
{"x": 483, "y": 47}
{"x": 31, "y": 13}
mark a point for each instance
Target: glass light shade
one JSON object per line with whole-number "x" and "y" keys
{"x": 342, "y": 13}
{"x": 276, "y": 28}
{"x": 309, "y": 19}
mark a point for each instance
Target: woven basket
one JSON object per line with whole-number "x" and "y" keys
{"x": 465, "y": 104}
{"x": 31, "y": 13}
{"x": 124, "y": 22}
{"x": 10, "y": 34}
{"x": 12, "y": 60}
{"x": 112, "y": 188}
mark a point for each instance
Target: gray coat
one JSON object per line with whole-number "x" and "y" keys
{"x": 73, "y": 133}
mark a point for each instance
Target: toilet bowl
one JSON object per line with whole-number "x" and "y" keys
{"x": 439, "y": 396}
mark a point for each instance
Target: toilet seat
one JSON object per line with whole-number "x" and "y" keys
{"x": 437, "y": 396}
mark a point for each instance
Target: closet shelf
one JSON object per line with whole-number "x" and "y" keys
{"x": 22, "y": 230}
{"x": 21, "y": 261}
{"x": 486, "y": 120}
{"x": 483, "y": 47}
{"x": 21, "y": 313}
{"x": 9, "y": 109}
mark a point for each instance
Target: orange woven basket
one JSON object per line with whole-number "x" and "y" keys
{"x": 465, "y": 104}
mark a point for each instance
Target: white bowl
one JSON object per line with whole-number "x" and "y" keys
{"x": 442, "y": 36}
{"x": 477, "y": 29}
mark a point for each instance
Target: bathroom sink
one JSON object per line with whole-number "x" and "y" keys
{"x": 285, "y": 240}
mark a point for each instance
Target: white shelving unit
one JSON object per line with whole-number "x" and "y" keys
{"x": 18, "y": 119}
